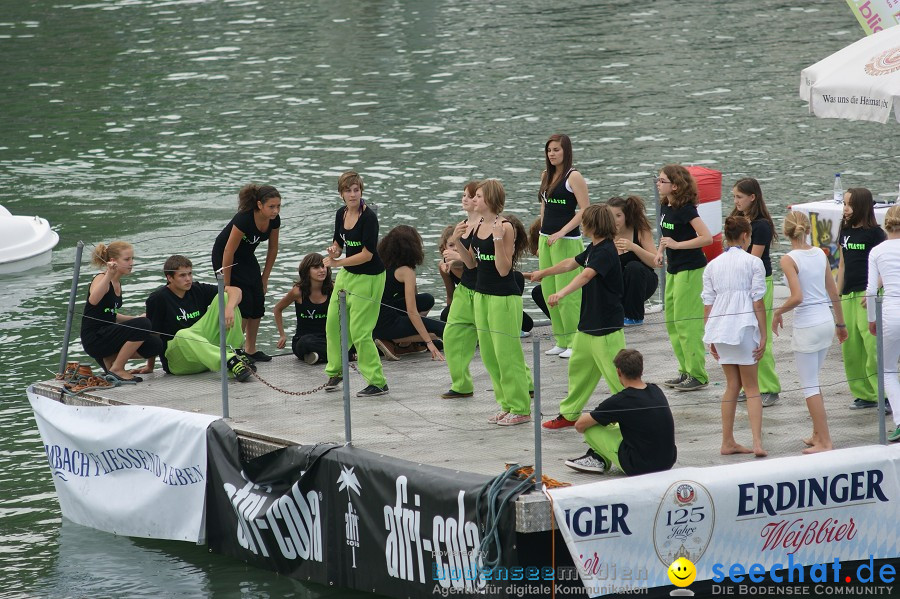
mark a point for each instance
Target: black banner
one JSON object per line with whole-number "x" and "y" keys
{"x": 348, "y": 517}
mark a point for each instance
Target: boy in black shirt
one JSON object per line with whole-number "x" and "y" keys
{"x": 633, "y": 429}
{"x": 186, "y": 314}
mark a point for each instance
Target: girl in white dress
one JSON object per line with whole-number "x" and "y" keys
{"x": 734, "y": 314}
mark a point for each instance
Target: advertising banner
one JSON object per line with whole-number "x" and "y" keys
{"x": 764, "y": 516}
{"x": 129, "y": 470}
{"x": 351, "y": 518}
{"x": 875, "y": 15}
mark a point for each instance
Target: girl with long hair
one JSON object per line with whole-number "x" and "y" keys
{"x": 637, "y": 256}
{"x": 563, "y": 196}
{"x": 683, "y": 235}
{"x": 310, "y": 296}
{"x": 858, "y": 235}
{"x": 812, "y": 287}
{"x": 734, "y": 316}
{"x": 257, "y": 220}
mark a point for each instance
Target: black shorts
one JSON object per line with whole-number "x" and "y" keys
{"x": 108, "y": 340}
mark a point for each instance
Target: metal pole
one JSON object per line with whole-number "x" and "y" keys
{"x": 345, "y": 365}
{"x": 70, "y": 313}
{"x": 223, "y": 364}
{"x": 879, "y": 341}
{"x": 662, "y": 271}
{"x": 536, "y": 348}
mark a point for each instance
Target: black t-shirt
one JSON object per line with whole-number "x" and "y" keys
{"x": 676, "y": 223}
{"x": 489, "y": 281}
{"x": 648, "y": 430}
{"x": 601, "y": 298}
{"x": 364, "y": 234}
{"x": 246, "y": 267}
{"x": 560, "y": 205}
{"x": 856, "y": 243}
{"x": 169, "y": 313}
{"x": 762, "y": 234}
{"x": 102, "y": 314}
{"x": 311, "y": 317}
{"x": 470, "y": 275}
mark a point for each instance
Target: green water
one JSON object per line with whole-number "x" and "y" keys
{"x": 140, "y": 119}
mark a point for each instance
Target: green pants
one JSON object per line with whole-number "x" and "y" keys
{"x": 565, "y": 315}
{"x": 768, "y": 380}
{"x": 860, "y": 357}
{"x": 592, "y": 358}
{"x": 460, "y": 339}
{"x": 684, "y": 321}
{"x": 499, "y": 320}
{"x": 605, "y": 440}
{"x": 363, "y": 304}
{"x": 196, "y": 348}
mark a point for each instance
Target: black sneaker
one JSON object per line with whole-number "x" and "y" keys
{"x": 238, "y": 369}
{"x": 372, "y": 391}
{"x": 248, "y": 361}
{"x": 676, "y": 381}
{"x": 769, "y": 399}
{"x": 742, "y": 396}
{"x": 260, "y": 356}
{"x": 334, "y": 383}
{"x": 690, "y": 384}
{"x": 862, "y": 404}
{"x": 451, "y": 394}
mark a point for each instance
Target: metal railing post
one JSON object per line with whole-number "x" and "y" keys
{"x": 536, "y": 348}
{"x": 70, "y": 313}
{"x": 662, "y": 271}
{"x": 223, "y": 365}
{"x": 879, "y": 341}
{"x": 345, "y": 365}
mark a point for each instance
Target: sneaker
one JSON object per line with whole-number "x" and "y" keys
{"x": 387, "y": 349}
{"x": 742, "y": 396}
{"x": 554, "y": 351}
{"x": 558, "y": 423}
{"x": 590, "y": 462}
{"x": 862, "y": 404}
{"x": 240, "y": 370}
{"x": 887, "y": 408}
{"x": 514, "y": 419}
{"x": 260, "y": 356}
{"x": 567, "y": 353}
{"x": 769, "y": 399}
{"x": 523, "y": 334}
{"x": 248, "y": 362}
{"x": 633, "y": 322}
{"x": 334, "y": 383}
{"x": 412, "y": 348}
{"x": 451, "y": 394}
{"x": 497, "y": 417}
{"x": 676, "y": 381}
{"x": 690, "y": 384}
{"x": 311, "y": 358}
{"x": 894, "y": 436}
{"x": 372, "y": 391}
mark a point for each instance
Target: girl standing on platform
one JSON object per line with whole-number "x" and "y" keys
{"x": 734, "y": 315}
{"x": 495, "y": 248}
{"x": 310, "y": 296}
{"x": 460, "y": 335}
{"x": 257, "y": 220}
{"x": 362, "y": 276}
{"x": 884, "y": 264}
{"x": 110, "y": 345}
{"x": 748, "y": 201}
{"x": 683, "y": 234}
{"x": 859, "y": 234}
{"x": 637, "y": 255}
{"x": 812, "y": 286}
{"x": 563, "y": 196}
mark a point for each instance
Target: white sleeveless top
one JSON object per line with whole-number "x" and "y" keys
{"x": 815, "y": 308}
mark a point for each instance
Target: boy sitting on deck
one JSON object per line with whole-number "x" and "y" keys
{"x": 633, "y": 429}
{"x": 186, "y": 314}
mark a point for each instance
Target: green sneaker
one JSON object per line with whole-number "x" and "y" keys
{"x": 239, "y": 369}
{"x": 894, "y": 436}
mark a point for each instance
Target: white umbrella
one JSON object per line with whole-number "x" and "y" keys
{"x": 859, "y": 83}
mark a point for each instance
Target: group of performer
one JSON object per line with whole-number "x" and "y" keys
{"x": 590, "y": 293}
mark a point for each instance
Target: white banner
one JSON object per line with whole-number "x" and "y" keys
{"x": 129, "y": 470}
{"x": 875, "y": 15}
{"x": 624, "y": 533}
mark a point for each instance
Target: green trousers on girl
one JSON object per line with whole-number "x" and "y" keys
{"x": 363, "y": 304}
{"x": 565, "y": 315}
{"x": 860, "y": 354}
{"x": 196, "y": 348}
{"x": 460, "y": 339}
{"x": 684, "y": 322}
{"x": 592, "y": 358}
{"x": 499, "y": 320}
{"x": 768, "y": 379}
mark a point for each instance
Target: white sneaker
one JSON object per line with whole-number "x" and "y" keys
{"x": 567, "y": 353}
{"x": 554, "y": 351}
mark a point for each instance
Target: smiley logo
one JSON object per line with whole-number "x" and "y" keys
{"x": 682, "y": 572}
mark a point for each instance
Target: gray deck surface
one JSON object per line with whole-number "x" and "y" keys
{"x": 414, "y": 423}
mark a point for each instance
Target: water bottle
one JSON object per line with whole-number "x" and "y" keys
{"x": 838, "y": 189}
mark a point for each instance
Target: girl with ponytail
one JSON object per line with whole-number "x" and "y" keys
{"x": 637, "y": 255}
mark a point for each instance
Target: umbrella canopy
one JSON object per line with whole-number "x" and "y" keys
{"x": 859, "y": 83}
